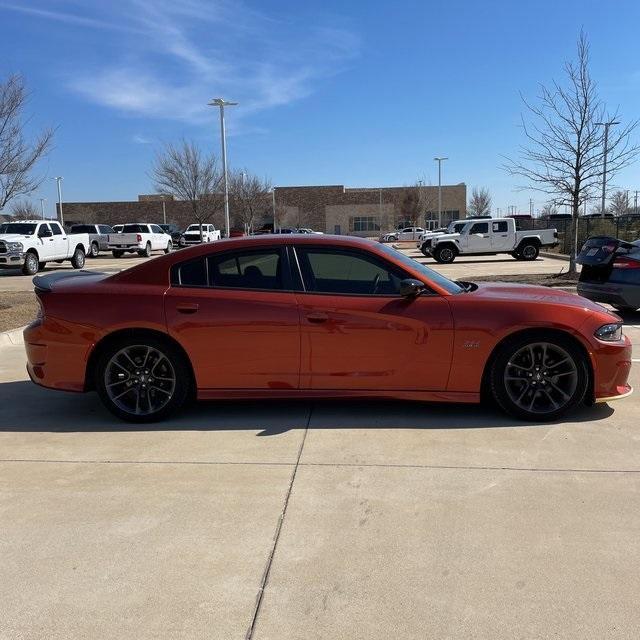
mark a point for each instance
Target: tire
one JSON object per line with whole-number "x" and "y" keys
{"x": 117, "y": 254}
{"x": 78, "y": 258}
{"x": 169, "y": 247}
{"x": 146, "y": 252}
{"x": 41, "y": 266}
{"x": 444, "y": 254}
{"x": 172, "y": 387}
{"x": 526, "y": 383}
{"x": 94, "y": 250}
{"x": 31, "y": 264}
{"x": 59, "y": 261}
{"x": 529, "y": 251}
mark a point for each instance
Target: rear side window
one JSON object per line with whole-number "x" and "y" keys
{"x": 500, "y": 227}
{"x": 192, "y": 273}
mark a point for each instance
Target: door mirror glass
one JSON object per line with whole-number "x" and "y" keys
{"x": 411, "y": 288}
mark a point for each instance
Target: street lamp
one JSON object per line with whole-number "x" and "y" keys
{"x": 606, "y": 126}
{"x": 273, "y": 202}
{"x": 42, "y": 201}
{"x": 59, "y": 179}
{"x": 220, "y": 102}
{"x": 439, "y": 160}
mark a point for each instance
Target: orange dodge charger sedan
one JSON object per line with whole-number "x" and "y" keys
{"x": 302, "y": 316}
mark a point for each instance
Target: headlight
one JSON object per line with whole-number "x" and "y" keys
{"x": 14, "y": 246}
{"x": 609, "y": 332}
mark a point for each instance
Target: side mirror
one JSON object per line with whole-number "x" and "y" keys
{"x": 410, "y": 288}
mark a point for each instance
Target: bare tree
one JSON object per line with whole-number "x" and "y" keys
{"x": 18, "y": 156}
{"x": 250, "y": 196}
{"x": 565, "y": 144}
{"x": 480, "y": 202}
{"x": 549, "y": 209}
{"x": 619, "y": 204}
{"x": 183, "y": 172}
{"x": 24, "y": 210}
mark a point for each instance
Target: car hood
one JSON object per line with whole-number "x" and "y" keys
{"x": 13, "y": 237}
{"x": 448, "y": 236}
{"x": 532, "y": 294}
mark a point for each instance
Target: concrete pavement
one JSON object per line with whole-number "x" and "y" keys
{"x": 360, "y": 520}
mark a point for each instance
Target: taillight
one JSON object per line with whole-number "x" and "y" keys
{"x": 625, "y": 263}
{"x": 139, "y": 238}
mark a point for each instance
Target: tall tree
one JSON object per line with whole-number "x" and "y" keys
{"x": 18, "y": 155}
{"x": 250, "y": 196}
{"x": 480, "y": 202}
{"x": 183, "y": 172}
{"x": 564, "y": 152}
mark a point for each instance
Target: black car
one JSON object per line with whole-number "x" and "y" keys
{"x": 173, "y": 231}
{"x": 611, "y": 272}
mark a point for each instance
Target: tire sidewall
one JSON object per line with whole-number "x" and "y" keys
{"x": 532, "y": 256}
{"x": 31, "y": 264}
{"x": 147, "y": 250}
{"x": 178, "y": 361}
{"x": 78, "y": 259}
{"x": 447, "y": 251}
{"x": 509, "y": 348}
{"x": 95, "y": 250}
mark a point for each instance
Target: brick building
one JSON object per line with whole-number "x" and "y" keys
{"x": 332, "y": 209}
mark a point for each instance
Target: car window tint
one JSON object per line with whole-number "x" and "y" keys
{"x": 480, "y": 227}
{"x": 500, "y": 227}
{"x": 246, "y": 270}
{"x": 135, "y": 228}
{"x": 105, "y": 229}
{"x": 192, "y": 273}
{"x": 42, "y": 230}
{"x": 57, "y": 231}
{"x": 347, "y": 272}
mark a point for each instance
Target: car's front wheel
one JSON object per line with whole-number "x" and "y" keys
{"x": 31, "y": 265}
{"x": 444, "y": 254}
{"x": 539, "y": 377}
{"x": 142, "y": 379}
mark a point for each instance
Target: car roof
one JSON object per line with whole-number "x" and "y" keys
{"x": 26, "y": 221}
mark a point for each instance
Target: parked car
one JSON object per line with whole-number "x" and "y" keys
{"x": 424, "y": 241}
{"x": 30, "y": 244}
{"x": 491, "y": 237}
{"x": 314, "y": 316}
{"x": 174, "y": 231}
{"x": 140, "y": 238}
{"x": 98, "y": 236}
{"x": 307, "y": 230}
{"x": 402, "y": 235}
{"x": 610, "y": 272}
{"x": 192, "y": 234}
{"x": 117, "y": 228}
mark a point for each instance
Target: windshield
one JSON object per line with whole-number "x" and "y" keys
{"x": 19, "y": 228}
{"x": 429, "y": 274}
{"x": 83, "y": 228}
{"x": 196, "y": 227}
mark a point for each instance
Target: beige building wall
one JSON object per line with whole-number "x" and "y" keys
{"x": 339, "y": 218}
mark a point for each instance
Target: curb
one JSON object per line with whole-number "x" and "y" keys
{"x": 554, "y": 256}
{"x": 12, "y": 338}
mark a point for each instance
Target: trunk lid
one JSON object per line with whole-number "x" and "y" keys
{"x": 598, "y": 256}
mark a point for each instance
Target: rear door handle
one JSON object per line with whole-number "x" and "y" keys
{"x": 188, "y": 307}
{"x": 317, "y": 318}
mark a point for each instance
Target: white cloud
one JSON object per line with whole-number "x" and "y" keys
{"x": 170, "y": 58}
{"x": 140, "y": 139}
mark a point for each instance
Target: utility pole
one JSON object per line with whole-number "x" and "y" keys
{"x": 58, "y": 180}
{"x": 164, "y": 212}
{"x": 531, "y": 207}
{"x": 273, "y": 201}
{"x": 606, "y": 126}
{"x": 43, "y": 200}
{"x": 220, "y": 102}
{"x": 439, "y": 160}
{"x": 635, "y": 203}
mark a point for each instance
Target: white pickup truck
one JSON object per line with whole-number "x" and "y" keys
{"x": 140, "y": 238}
{"x": 490, "y": 237}
{"x": 30, "y": 244}
{"x": 192, "y": 234}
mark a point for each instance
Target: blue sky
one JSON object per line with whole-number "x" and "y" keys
{"x": 355, "y": 93}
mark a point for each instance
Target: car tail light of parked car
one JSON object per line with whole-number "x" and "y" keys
{"x": 626, "y": 263}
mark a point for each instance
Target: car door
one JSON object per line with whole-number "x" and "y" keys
{"x": 159, "y": 239}
{"x": 104, "y": 230}
{"x": 47, "y": 248}
{"x": 501, "y": 240}
{"x": 236, "y": 315}
{"x": 477, "y": 239}
{"x": 60, "y": 241}
{"x": 359, "y": 334}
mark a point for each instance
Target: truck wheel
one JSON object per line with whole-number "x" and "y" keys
{"x": 117, "y": 254}
{"x": 77, "y": 260}
{"x": 41, "y": 266}
{"x": 94, "y": 250}
{"x": 444, "y": 255}
{"x": 169, "y": 247}
{"x": 30, "y": 266}
{"x": 529, "y": 251}
{"x": 146, "y": 252}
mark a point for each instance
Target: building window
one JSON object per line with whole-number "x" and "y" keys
{"x": 363, "y": 223}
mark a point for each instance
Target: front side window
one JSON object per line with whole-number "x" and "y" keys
{"x": 55, "y": 227}
{"x": 44, "y": 231}
{"x": 106, "y": 229}
{"x": 347, "y": 272}
{"x": 156, "y": 229}
{"x": 479, "y": 227}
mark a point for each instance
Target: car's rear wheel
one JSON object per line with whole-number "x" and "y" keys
{"x": 169, "y": 247}
{"x": 444, "y": 254}
{"x": 529, "y": 251}
{"x": 142, "y": 379}
{"x": 539, "y": 377}
{"x": 30, "y": 266}
{"x": 94, "y": 250}
{"x": 146, "y": 252}
{"x": 77, "y": 260}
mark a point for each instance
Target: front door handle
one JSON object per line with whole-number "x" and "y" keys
{"x": 187, "y": 307}
{"x": 317, "y": 318}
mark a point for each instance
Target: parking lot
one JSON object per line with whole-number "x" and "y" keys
{"x": 323, "y": 520}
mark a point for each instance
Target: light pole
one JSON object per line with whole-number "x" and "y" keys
{"x": 273, "y": 202}
{"x": 164, "y": 212}
{"x": 606, "y": 126}
{"x": 220, "y": 102}
{"x": 439, "y": 160}
{"x": 59, "y": 179}
{"x": 42, "y": 201}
